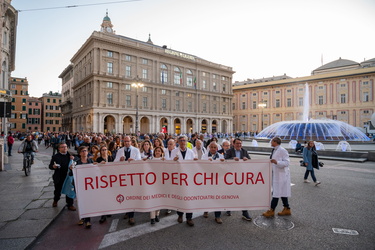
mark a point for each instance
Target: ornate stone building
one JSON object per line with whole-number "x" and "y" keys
{"x": 340, "y": 90}
{"x": 181, "y": 93}
{"x": 8, "y": 30}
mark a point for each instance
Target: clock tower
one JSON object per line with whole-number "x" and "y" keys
{"x": 107, "y": 26}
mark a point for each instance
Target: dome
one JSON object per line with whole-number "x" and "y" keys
{"x": 337, "y": 64}
{"x": 106, "y": 18}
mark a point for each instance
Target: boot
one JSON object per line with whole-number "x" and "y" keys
{"x": 269, "y": 213}
{"x": 286, "y": 211}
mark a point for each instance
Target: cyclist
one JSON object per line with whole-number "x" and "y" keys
{"x": 29, "y": 146}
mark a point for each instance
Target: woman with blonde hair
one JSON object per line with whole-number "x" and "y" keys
{"x": 146, "y": 150}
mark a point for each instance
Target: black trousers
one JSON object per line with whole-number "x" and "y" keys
{"x": 57, "y": 194}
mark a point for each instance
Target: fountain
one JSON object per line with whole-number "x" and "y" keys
{"x": 312, "y": 129}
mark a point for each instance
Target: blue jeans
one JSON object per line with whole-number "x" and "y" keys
{"x": 312, "y": 174}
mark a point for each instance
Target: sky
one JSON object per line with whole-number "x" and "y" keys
{"x": 257, "y": 38}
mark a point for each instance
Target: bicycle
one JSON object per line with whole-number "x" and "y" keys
{"x": 27, "y": 163}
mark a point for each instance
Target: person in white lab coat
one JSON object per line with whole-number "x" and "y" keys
{"x": 280, "y": 179}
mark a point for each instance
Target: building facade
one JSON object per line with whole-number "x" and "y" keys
{"x": 67, "y": 97}
{"x": 51, "y": 112}
{"x": 180, "y": 93}
{"x": 19, "y": 88}
{"x": 8, "y": 30}
{"x": 34, "y": 115}
{"x": 340, "y": 90}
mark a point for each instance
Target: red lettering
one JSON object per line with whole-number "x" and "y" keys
{"x": 165, "y": 177}
{"x": 174, "y": 178}
{"x": 225, "y": 179}
{"x": 195, "y": 179}
{"x": 122, "y": 180}
{"x": 140, "y": 177}
{"x": 208, "y": 177}
{"x": 259, "y": 178}
{"x": 96, "y": 182}
{"x": 103, "y": 179}
{"x": 147, "y": 179}
{"x": 236, "y": 175}
{"x": 131, "y": 179}
{"x": 112, "y": 179}
{"x": 183, "y": 179}
{"x": 250, "y": 176}
{"x": 88, "y": 181}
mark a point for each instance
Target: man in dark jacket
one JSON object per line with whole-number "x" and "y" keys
{"x": 60, "y": 163}
{"x": 236, "y": 153}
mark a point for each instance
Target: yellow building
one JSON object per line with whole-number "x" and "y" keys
{"x": 19, "y": 88}
{"x": 340, "y": 90}
{"x": 51, "y": 112}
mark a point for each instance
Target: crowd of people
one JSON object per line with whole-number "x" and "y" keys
{"x": 94, "y": 148}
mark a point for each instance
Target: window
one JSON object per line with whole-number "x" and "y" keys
{"x": 224, "y": 88}
{"x": 23, "y": 108}
{"x": 30, "y": 111}
{"x": 127, "y": 86}
{"x": 109, "y": 53}
{"x": 277, "y": 91}
{"x": 343, "y": 112}
{"x": 178, "y": 93}
{"x": 243, "y": 105}
{"x": 177, "y": 105}
{"x": 214, "y": 108}
{"x": 254, "y": 94}
{"x": 110, "y": 98}
{"x": 190, "y": 106}
{"x": 144, "y": 61}
{"x": 224, "y": 108}
{"x": 254, "y": 104}
{"x": 109, "y": 85}
{"x": 321, "y": 87}
{"x": 366, "y": 111}
{"x": 145, "y": 102}
{"x": 110, "y": 68}
{"x": 54, "y": 100}
{"x": 277, "y": 104}
{"x": 177, "y": 76}
{"x": 128, "y": 58}
{"x": 243, "y": 95}
{"x": 343, "y": 98}
{"x": 48, "y": 100}
{"x": 57, "y": 121}
{"x": 233, "y": 106}
{"x": 320, "y": 100}
{"x": 204, "y": 84}
{"x": 365, "y": 83}
{"x": 128, "y": 100}
{"x": 144, "y": 74}
{"x": 265, "y": 93}
{"x": 204, "y": 107}
{"x": 289, "y": 102}
{"x": 128, "y": 71}
{"x": 300, "y": 101}
{"x": 189, "y": 78}
{"x": 164, "y": 103}
{"x": 145, "y": 89}
{"x": 343, "y": 85}
{"x": 163, "y": 92}
{"x": 365, "y": 97}
{"x": 289, "y": 91}
{"x": 214, "y": 86}
{"x": 163, "y": 73}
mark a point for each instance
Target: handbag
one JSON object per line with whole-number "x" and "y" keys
{"x": 68, "y": 185}
{"x": 302, "y": 163}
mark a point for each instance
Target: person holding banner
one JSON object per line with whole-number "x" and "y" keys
{"x": 83, "y": 152}
{"x": 146, "y": 150}
{"x": 213, "y": 155}
{"x": 199, "y": 149}
{"x": 60, "y": 163}
{"x": 238, "y": 153}
{"x": 171, "y": 145}
{"x": 182, "y": 153}
{"x": 128, "y": 153}
{"x": 280, "y": 179}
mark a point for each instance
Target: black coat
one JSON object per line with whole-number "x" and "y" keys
{"x": 231, "y": 153}
{"x": 60, "y": 173}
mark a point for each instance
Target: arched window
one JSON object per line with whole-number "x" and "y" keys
{"x": 177, "y": 76}
{"x": 163, "y": 74}
{"x": 189, "y": 78}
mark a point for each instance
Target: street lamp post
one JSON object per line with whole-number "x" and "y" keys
{"x": 262, "y": 105}
{"x": 136, "y": 85}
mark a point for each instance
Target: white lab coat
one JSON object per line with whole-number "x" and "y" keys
{"x": 166, "y": 154}
{"x": 134, "y": 154}
{"x": 281, "y": 173}
{"x": 188, "y": 156}
{"x": 206, "y": 157}
{"x": 195, "y": 150}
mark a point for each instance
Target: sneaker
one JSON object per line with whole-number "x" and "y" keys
{"x": 246, "y": 216}
{"x": 157, "y": 218}
{"x": 80, "y": 222}
{"x": 180, "y": 219}
{"x": 286, "y": 211}
{"x": 317, "y": 183}
{"x": 88, "y": 225}
{"x": 168, "y": 212}
{"x": 54, "y": 204}
{"x": 219, "y": 220}
{"x": 229, "y": 213}
{"x": 102, "y": 219}
{"x": 152, "y": 221}
{"x": 306, "y": 181}
{"x": 190, "y": 222}
{"x": 205, "y": 215}
{"x": 72, "y": 208}
{"x": 269, "y": 213}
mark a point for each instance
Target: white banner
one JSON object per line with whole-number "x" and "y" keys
{"x": 188, "y": 186}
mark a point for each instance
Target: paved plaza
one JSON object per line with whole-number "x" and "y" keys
{"x": 343, "y": 202}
